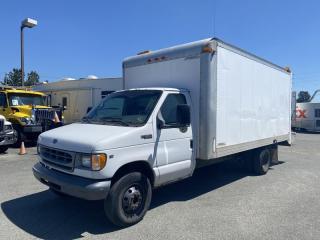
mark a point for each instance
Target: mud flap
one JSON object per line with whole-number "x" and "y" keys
{"x": 274, "y": 154}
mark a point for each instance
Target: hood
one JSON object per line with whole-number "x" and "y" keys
{"x": 87, "y": 138}
{"x": 25, "y": 110}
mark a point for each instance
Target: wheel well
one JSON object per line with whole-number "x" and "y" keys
{"x": 138, "y": 166}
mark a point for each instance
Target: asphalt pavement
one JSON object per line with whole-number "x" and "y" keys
{"x": 218, "y": 202}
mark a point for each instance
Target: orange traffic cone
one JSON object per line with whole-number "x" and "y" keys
{"x": 22, "y": 149}
{"x": 56, "y": 118}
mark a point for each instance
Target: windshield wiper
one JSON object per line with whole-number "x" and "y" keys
{"x": 115, "y": 120}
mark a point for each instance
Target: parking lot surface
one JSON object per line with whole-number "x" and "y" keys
{"x": 218, "y": 202}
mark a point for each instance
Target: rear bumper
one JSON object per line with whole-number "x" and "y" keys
{"x": 7, "y": 138}
{"x": 84, "y": 188}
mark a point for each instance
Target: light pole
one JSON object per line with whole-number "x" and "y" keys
{"x": 29, "y": 23}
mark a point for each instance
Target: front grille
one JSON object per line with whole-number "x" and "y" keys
{"x": 44, "y": 114}
{"x": 1, "y": 125}
{"x": 57, "y": 158}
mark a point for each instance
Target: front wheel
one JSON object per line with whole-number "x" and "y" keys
{"x": 3, "y": 149}
{"x": 128, "y": 200}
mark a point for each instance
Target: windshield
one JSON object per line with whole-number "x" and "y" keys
{"x": 18, "y": 99}
{"x": 128, "y": 108}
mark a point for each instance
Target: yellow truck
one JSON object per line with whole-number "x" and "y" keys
{"x": 28, "y": 112}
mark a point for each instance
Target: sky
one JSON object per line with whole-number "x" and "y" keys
{"x": 81, "y": 38}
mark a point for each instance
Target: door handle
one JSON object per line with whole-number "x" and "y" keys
{"x": 147, "y": 136}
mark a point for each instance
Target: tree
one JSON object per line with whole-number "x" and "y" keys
{"x": 303, "y": 96}
{"x": 13, "y": 78}
{"x": 32, "y": 79}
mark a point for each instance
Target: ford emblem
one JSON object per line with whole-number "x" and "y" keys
{"x": 55, "y": 141}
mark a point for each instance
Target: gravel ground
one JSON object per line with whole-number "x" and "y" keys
{"x": 218, "y": 202}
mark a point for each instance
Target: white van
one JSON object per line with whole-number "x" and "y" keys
{"x": 308, "y": 114}
{"x": 183, "y": 107}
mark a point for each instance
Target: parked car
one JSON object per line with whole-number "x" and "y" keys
{"x": 7, "y": 134}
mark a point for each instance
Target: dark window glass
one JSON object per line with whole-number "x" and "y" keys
{"x": 64, "y": 101}
{"x": 317, "y": 113}
{"x": 126, "y": 107}
{"x": 20, "y": 99}
{"x": 3, "y": 100}
{"x": 168, "y": 111}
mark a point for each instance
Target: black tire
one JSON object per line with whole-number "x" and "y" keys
{"x": 128, "y": 200}
{"x": 261, "y": 161}
{"x": 3, "y": 149}
{"x": 19, "y": 136}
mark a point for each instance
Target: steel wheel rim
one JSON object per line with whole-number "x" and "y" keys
{"x": 132, "y": 200}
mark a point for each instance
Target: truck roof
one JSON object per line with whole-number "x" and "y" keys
{"x": 159, "y": 89}
{"x": 192, "y": 49}
{"x": 21, "y": 91}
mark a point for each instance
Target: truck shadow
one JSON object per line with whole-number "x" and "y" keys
{"x": 45, "y": 215}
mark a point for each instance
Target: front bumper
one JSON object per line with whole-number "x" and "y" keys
{"x": 32, "y": 129}
{"x": 84, "y": 188}
{"x": 7, "y": 138}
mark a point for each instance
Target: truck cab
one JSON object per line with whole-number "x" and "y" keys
{"x": 26, "y": 110}
{"x": 146, "y": 129}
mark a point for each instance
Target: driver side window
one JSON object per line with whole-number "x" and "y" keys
{"x": 3, "y": 100}
{"x": 168, "y": 110}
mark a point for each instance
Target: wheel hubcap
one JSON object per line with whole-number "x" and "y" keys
{"x": 132, "y": 200}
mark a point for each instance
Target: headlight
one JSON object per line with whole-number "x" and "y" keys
{"x": 26, "y": 121}
{"x": 95, "y": 162}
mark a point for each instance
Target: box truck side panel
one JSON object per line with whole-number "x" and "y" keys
{"x": 253, "y": 102}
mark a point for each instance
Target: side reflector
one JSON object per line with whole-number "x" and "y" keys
{"x": 207, "y": 49}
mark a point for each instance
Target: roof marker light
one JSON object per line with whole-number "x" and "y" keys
{"x": 144, "y": 52}
{"x": 207, "y": 49}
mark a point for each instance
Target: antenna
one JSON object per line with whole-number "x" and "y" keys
{"x": 214, "y": 17}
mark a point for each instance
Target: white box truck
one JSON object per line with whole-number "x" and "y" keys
{"x": 182, "y": 107}
{"x": 308, "y": 114}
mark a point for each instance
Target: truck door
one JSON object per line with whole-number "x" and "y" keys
{"x": 3, "y": 105}
{"x": 65, "y": 102}
{"x": 174, "y": 143}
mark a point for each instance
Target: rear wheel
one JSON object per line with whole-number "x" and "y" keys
{"x": 3, "y": 149}
{"x": 261, "y": 160}
{"x": 128, "y": 200}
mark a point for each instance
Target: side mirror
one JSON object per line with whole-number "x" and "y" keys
{"x": 160, "y": 123}
{"x": 183, "y": 115}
